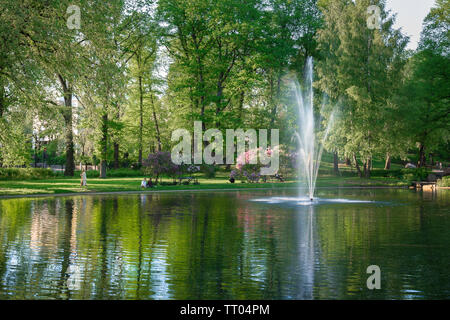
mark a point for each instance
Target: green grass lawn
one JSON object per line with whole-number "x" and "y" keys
{"x": 72, "y": 185}
{"x": 116, "y": 184}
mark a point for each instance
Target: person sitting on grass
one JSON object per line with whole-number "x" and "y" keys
{"x": 150, "y": 183}
{"x": 144, "y": 183}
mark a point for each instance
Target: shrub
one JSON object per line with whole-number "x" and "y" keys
{"x": 125, "y": 172}
{"x": 26, "y": 173}
{"x": 444, "y": 182}
{"x": 165, "y": 183}
{"x": 253, "y": 177}
{"x": 388, "y": 173}
{"x": 113, "y": 173}
{"x": 209, "y": 170}
{"x": 248, "y": 167}
{"x": 160, "y": 163}
{"x": 234, "y": 174}
{"x": 247, "y": 173}
{"x": 408, "y": 177}
{"x": 419, "y": 174}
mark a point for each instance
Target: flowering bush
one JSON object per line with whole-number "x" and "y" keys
{"x": 247, "y": 157}
{"x": 253, "y": 177}
{"x": 160, "y": 163}
{"x": 247, "y": 166}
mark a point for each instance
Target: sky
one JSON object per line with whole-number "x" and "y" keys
{"x": 410, "y": 15}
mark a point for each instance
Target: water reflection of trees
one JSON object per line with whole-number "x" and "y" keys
{"x": 195, "y": 246}
{"x": 132, "y": 247}
{"x": 403, "y": 237}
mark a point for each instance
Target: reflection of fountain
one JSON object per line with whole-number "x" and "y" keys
{"x": 310, "y": 152}
{"x": 306, "y": 254}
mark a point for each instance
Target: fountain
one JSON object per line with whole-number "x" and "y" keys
{"x": 310, "y": 151}
{"x": 310, "y": 147}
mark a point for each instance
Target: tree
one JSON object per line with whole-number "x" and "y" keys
{"x": 359, "y": 67}
{"x": 56, "y": 51}
{"x": 142, "y": 67}
{"x": 22, "y": 87}
{"x": 103, "y": 87}
{"x": 426, "y": 89}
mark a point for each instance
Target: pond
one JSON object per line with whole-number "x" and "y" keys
{"x": 225, "y": 245}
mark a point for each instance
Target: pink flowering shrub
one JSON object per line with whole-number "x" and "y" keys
{"x": 248, "y": 165}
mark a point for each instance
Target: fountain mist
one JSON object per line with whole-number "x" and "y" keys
{"x": 310, "y": 151}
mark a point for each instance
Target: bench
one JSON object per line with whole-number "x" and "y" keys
{"x": 189, "y": 179}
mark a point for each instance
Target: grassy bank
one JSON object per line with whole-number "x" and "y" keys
{"x": 71, "y": 185}
{"x": 37, "y": 181}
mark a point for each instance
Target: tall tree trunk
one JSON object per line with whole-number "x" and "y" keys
{"x": 367, "y": 166}
{"x": 104, "y": 145}
{"x": 125, "y": 159}
{"x": 36, "y": 148}
{"x": 70, "y": 161}
{"x": 335, "y": 163}
{"x": 141, "y": 119}
{"x": 116, "y": 155}
{"x": 241, "y": 106}
{"x": 219, "y": 96}
{"x": 67, "y": 114}
{"x": 368, "y": 163}
{"x": 274, "y": 96}
{"x": 116, "y": 140}
{"x": 422, "y": 157}
{"x": 357, "y": 165}
{"x": 1, "y": 101}
{"x": 155, "y": 119}
{"x": 364, "y": 168}
{"x": 387, "y": 164}
{"x": 1, "y": 115}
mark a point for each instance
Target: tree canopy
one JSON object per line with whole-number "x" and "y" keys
{"x": 111, "y": 92}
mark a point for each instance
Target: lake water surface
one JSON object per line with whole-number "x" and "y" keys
{"x": 224, "y": 245}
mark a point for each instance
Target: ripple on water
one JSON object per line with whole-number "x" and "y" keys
{"x": 305, "y": 201}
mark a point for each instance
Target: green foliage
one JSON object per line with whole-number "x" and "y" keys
{"x": 114, "y": 173}
{"x": 224, "y": 63}
{"x": 425, "y": 94}
{"x": 118, "y": 173}
{"x": 360, "y": 70}
{"x": 14, "y": 138}
{"x": 167, "y": 183}
{"x": 418, "y": 174}
{"x": 26, "y": 173}
{"x": 208, "y": 170}
{"x": 444, "y": 182}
